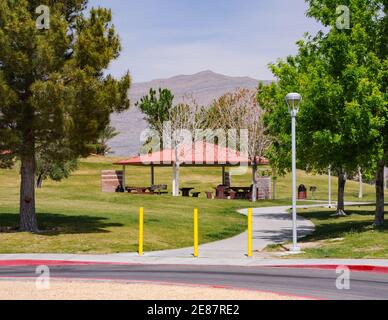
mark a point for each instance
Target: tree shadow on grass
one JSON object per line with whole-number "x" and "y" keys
{"x": 328, "y": 215}
{"x": 281, "y": 235}
{"x": 51, "y": 224}
{"x": 337, "y": 227}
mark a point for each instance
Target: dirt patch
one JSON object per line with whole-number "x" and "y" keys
{"x": 283, "y": 248}
{"x": 370, "y": 249}
{"x": 81, "y": 290}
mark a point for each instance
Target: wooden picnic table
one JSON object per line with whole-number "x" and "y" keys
{"x": 241, "y": 192}
{"x": 241, "y": 189}
{"x": 186, "y": 192}
{"x": 221, "y": 192}
{"x": 139, "y": 190}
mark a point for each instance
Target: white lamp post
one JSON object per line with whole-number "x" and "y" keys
{"x": 293, "y": 101}
{"x": 330, "y": 205}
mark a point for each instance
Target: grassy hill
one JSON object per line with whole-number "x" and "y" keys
{"x": 76, "y": 217}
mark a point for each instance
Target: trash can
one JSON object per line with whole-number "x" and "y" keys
{"x": 210, "y": 195}
{"x": 302, "y": 192}
{"x": 220, "y": 194}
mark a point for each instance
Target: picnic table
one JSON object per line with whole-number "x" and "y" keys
{"x": 186, "y": 192}
{"x": 159, "y": 189}
{"x": 221, "y": 192}
{"x": 241, "y": 189}
{"x": 155, "y": 189}
{"x": 139, "y": 190}
{"x": 241, "y": 192}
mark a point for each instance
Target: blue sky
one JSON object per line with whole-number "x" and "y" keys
{"x": 164, "y": 38}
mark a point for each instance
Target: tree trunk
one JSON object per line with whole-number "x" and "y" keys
{"x": 361, "y": 191}
{"x": 275, "y": 178}
{"x": 177, "y": 179}
{"x": 254, "y": 182}
{"x": 341, "y": 194}
{"x": 28, "y": 221}
{"x": 175, "y": 168}
{"x": 39, "y": 181}
{"x": 379, "y": 219}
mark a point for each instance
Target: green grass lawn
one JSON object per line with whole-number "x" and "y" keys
{"x": 76, "y": 217}
{"x": 346, "y": 237}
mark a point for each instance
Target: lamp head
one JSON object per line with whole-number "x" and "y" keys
{"x": 293, "y": 101}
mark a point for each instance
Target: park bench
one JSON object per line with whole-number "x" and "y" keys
{"x": 186, "y": 191}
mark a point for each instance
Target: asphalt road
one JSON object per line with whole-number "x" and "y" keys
{"x": 320, "y": 284}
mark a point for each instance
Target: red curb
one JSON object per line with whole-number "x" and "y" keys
{"x": 357, "y": 268}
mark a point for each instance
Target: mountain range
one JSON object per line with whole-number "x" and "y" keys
{"x": 204, "y": 87}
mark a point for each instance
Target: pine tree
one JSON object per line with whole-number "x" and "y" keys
{"x": 53, "y": 84}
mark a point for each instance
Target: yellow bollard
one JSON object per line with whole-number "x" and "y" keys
{"x": 250, "y": 233}
{"x": 141, "y": 231}
{"x": 196, "y": 233}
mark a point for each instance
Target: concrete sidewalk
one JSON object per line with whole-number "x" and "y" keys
{"x": 271, "y": 225}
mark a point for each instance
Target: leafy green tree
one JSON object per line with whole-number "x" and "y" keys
{"x": 53, "y": 85}
{"x": 156, "y": 108}
{"x": 339, "y": 75}
{"x": 57, "y": 169}
{"x": 360, "y": 53}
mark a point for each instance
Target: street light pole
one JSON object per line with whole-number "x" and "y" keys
{"x": 293, "y": 101}
{"x": 295, "y": 247}
{"x": 330, "y": 206}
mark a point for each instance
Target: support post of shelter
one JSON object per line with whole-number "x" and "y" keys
{"x": 254, "y": 182}
{"x": 152, "y": 175}
{"x": 124, "y": 182}
{"x": 175, "y": 180}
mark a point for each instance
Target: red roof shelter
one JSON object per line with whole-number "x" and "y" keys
{"x": 197, "y": 154}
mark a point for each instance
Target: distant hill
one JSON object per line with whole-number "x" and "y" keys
{"x": 204, "y": 87}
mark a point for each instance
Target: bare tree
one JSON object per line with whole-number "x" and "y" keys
{"x": 184, "y": 120}
{"x": 240, "y": 110}
{"x": 360, "y": 180}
